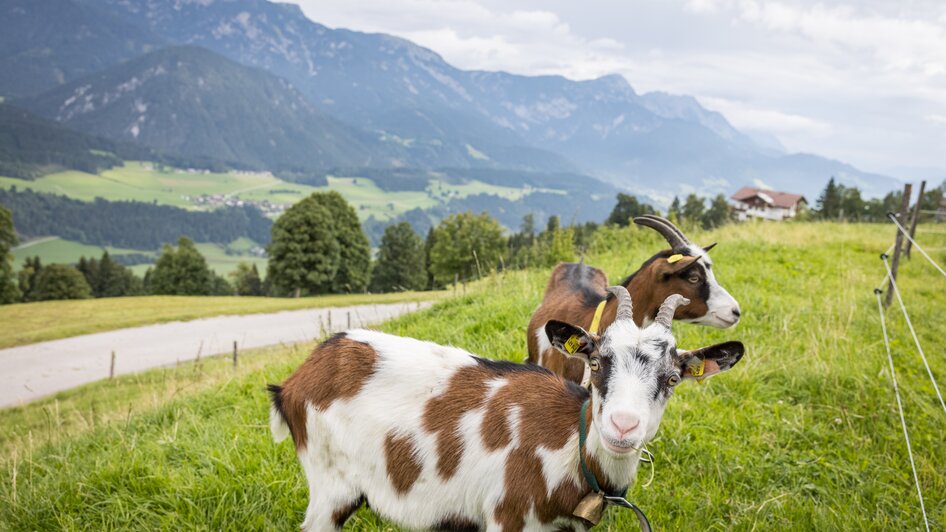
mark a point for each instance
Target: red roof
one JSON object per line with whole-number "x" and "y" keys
{"x": 784, "y": 200}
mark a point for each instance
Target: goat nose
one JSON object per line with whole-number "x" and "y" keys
{"x": 624, "y": 422}
{"x": 736, "y": 312}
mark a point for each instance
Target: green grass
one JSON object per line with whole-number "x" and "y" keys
{"x": 53, "y": 250}
{"x": 26, "y": 323}
{"x": 142, "y": 181}
{"x": 803, "y": 434}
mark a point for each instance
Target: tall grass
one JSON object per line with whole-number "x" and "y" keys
{"x": 803, "y": 434}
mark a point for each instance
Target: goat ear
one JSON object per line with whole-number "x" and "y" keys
{"x": 673, "y": 265}
{"x": 570, "y": 339}
{"x": 708, "y": 361}
{"x": 709, "y": 247}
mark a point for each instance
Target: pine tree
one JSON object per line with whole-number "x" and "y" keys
{"x": 26, "y": 277}
{"x": 428, "y": 246}
{"x": 828, "y": 205}
{"x": 246, "y": 280}
{"x": 9, "y": 293}
{"x": 674, "y": 212}
{"x": 401, "y": 259}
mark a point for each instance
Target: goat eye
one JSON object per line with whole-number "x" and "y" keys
{"x": 594, "y": 364}
{"x": 673, "y": 380}
{"x": 694, "y": 279}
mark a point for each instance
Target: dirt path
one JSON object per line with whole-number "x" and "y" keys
{"x": 37, "y": 370}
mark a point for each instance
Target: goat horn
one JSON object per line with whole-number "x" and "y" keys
{"x": 675, "y": 237}
{"x": 625, "y": 309}
{"x": 668, "y": 308}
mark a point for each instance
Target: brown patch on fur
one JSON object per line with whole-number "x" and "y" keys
{"x": 456, "y": 523}
{"x": 466, "y": 391}
{"x": 401, "y": 458}
{"x": 342, "y": 513}
{"x": 337, "y": 369}
{"x": 549, "y": 423}
{"x": 649, "y": 287}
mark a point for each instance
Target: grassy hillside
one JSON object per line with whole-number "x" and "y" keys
{"x": 802, "y": 435}
{"x": 56, "y": 250}
{"x": 26, "y": 323}
{"x": 144, "y": 181}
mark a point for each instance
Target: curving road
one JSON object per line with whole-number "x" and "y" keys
{"x": 37, "y": 370}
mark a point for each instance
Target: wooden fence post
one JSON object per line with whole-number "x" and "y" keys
{"x": 898, "y": 243}
{"x": 349, "y": 320}
{"x": 916, "y": 216}
{"x": 111, "y": 369}
{"x": 235, "y": 354}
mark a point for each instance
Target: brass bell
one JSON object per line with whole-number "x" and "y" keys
{"x": 591, "y": 508}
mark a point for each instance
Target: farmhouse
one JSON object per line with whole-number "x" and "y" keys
{"x": 751, "y": 202}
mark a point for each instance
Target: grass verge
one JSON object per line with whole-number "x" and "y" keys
{"x": 26, "y": 323}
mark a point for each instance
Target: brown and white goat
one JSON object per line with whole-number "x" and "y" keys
{"x": 432, "y": 437}
{"x": 575, "y": 290}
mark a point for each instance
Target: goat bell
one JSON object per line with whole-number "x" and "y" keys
{"x": 591, "y": 508}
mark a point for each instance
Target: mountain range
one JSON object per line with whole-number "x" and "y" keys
{"x": 241, "y": 74}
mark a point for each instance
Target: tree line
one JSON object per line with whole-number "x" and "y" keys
{"x": 129, "y": 224}
{"x": 318, "y": 246}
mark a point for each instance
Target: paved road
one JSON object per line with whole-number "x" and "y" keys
{"x": 37, "y": 370}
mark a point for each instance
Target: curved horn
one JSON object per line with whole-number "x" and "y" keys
{"x": 625, "y": 309}
{"x": 675, "y": 237}
{"x": 668, "y": 308}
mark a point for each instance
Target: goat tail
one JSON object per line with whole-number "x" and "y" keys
{"x": 277, "y": 419}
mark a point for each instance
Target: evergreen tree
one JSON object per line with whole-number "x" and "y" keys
{"x": 181, "y": 272}
{"x": 26, "y": 277}
{"x": 9, "y": 293}
{"x": 354, "y": 249}
{"x": 466, "y": 245}
{"x": 219, "y": 286}
{"x": 829, "y": 203}
{"x": 401, "y": 259}
{"x": 522, "y": 244}
{"x": 717, "y": 214}
{"x": 674, "y": 212}
{"x": 108, "y": 278}
{"x": 304, "y": 254}
{"x": 626, "y": 209}
{"x": 58, "y": 281}
{"x": 246, "y": 280}
{"x": 432, "y": 283}
{"x": 693, "y": 209}
{"x": 555, "y": 245}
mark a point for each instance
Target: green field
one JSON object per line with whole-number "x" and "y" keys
{"x": 26, "y": 323}
{"x": 802, "y": 435}
{"x": 143, "y": 181}
{"x": 52, "y": 250}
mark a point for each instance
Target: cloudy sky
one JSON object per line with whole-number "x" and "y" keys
{"x": 863, "y": 82}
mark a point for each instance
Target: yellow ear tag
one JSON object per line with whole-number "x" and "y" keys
{"x": 674, "y": 258}
{"x": 572, "y": 344}
{"x": 697, "y": 371}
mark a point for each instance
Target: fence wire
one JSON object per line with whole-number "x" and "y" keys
{"x": 917, "y": 246}
{"x": 903, "y": 420}
{"x": 893, "y": 286}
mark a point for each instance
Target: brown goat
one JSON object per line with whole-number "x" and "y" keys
{"x": 575, "y": 290}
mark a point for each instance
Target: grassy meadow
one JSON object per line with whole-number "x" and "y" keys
{"x": 143, "y": 181}
{"x": 26, "y": 323}
{"x": 803, "y": 434}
